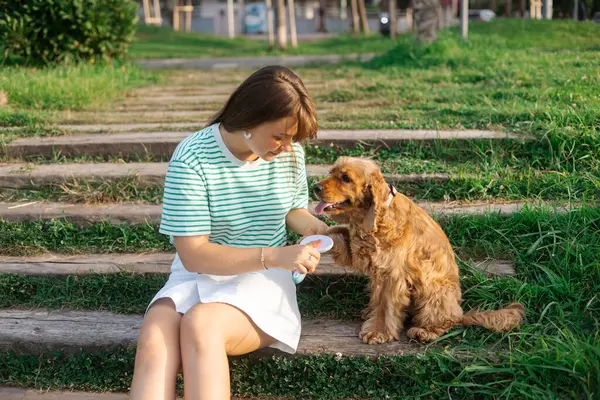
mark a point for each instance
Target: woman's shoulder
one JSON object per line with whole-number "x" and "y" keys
{"x": 195, "y": 146}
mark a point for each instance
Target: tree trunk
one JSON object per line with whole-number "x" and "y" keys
{"x": 293, "y": 33}
{"x": 522, "y": 5}
{"x": 270, "y": 30}
{"x": 393, "y": 18}
{"x": 509, "y": 8}
{"x": 464, "y": 19}
{"x": 426, "y": 20}
{"x": 354, "y": 8}
{"x": 322, "y": 9}
{"x": 281, "y": 25}
{"x": 230, "y": 19}
{"x": 363, "y": 16}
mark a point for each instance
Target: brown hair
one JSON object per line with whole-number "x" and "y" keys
{"x": 269, "y": 94}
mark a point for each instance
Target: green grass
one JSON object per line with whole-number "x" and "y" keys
{"x": 92, "y": 191}
{"x": 554, "y": 355}
{"x": 28, "y": 238}
{"x": 523, "y": 76}
{"x": 33, "y": 93}
{"x": 534, "y": 77}
{"x": 492, "y": 184}
{"x": 37, "y": 237}
{"x": 161, "y": 42}
{"x": 336, "y": 297}
{"x": 534, "y": 369}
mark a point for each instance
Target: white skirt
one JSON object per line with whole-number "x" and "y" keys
{"x": 268, "y": 297}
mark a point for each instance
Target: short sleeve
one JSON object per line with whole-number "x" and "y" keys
{"x": 301, "y": 185}
{"x": 185, "y": 210}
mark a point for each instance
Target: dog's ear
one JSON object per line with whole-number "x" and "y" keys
{"x": 377, "y": 192}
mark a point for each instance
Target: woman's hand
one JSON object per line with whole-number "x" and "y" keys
{"x": 301, "y": 258}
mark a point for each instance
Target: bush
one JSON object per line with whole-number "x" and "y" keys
{"x": 66, "y": 30}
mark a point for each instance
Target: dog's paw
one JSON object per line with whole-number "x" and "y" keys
{"x": 365, "y": 313}
{"x": 374, "y": 337}
{"x": 422, "y": 335}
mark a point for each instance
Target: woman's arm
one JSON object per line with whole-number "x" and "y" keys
{"x": 302, "y": 222}
{"x": 199, "y": 255}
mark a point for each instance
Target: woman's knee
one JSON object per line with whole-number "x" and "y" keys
{"x": 202, "y": 326}
{"x": 159, "y": 333}
{"x": 216, "y": 325}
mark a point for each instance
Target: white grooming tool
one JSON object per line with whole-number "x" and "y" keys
{"x": 325, "y": 246}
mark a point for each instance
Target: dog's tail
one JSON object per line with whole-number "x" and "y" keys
{"x": 502, "y": 320}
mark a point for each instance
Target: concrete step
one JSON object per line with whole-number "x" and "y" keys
{"x": 205, "y": 88}
{"x": 142, "y": 127}
{"x": 33, "y": 331}
{"x": 128, "y": 117}
{"x": 160, "y": 263}
{"x": 10, "y": 393}
{"x": 137, "y": 213}
{"x": 162, "y": 144}
{"x": 149, "y": 263}
{"x": 21, "y": 175}
{"x": 143, "y": 114}
{"x": 177, "y": 99}
{"x": 239, "y": 63}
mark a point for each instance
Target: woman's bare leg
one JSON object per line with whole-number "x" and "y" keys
{"x": 210, "y": 332}
{"x": 158, "y": 357}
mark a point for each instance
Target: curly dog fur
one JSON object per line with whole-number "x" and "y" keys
{"x": 405, "y": 253}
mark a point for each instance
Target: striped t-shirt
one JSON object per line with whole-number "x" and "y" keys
{"x": 208, "y": 191}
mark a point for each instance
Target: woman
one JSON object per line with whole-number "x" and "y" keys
{"x": 230, "y": 192}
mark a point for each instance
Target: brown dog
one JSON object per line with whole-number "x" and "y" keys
{"x": 405, "y": 253}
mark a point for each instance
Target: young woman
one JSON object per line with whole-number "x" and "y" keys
{"x": 230, "y": 192}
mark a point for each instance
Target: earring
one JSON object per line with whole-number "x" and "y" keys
{"x": 247, "y": 135}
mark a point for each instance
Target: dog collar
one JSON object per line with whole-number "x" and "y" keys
{"x": 393, "y": 192}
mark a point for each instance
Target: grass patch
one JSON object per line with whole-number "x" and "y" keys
{"x": 72, "y": 87}
{"x": 27, "y": 238}
{"x": 64, "y": 237}
{"x": 535, "y": 77}
{"x": 33, "y": 93}
{"x": 561, "y": 151}
{"x": 162, "y": 42}
{"x": 92, "y": 191}
{"x": 554, "y": 355}
{"x": 492, "y": 184}
{"x": 340, "y": 297}
{"x": 544, "y": 367}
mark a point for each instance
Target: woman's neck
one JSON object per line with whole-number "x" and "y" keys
{"x": 237, "y": 145}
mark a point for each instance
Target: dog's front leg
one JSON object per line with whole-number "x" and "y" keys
{"x": 386, "y": 312}
{"x": 341, "y": 245}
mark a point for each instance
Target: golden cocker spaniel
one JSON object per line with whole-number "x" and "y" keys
{"x": 405, "y": 253}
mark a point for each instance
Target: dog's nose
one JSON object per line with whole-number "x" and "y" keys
{"x": 318, "y": 188}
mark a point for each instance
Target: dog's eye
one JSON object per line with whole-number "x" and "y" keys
{"x": 346, "y": 178}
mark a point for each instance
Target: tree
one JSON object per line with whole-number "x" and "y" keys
{"x": 293, "y": 32}
{"x": 281, "y": 25}
{"x": 354, "y": 8}
{"x": 322, "y": 9}
{"x": 270, "y": 33}
{"x": 426, "y": 19}
{"x": 362, "y": 9}
{"x": 393, "y": 18}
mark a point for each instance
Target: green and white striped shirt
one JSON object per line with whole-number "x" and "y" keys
{"x": 208, "y": 191}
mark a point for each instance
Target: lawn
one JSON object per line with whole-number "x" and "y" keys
{"x": 34, "y": 94}
{"x": 161, "y": 42}
{"x": 538, "y": 78}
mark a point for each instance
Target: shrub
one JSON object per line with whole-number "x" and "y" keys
{"x": 50, "y": 31}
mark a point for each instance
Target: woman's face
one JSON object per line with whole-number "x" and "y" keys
{"x": 272, "y": 138}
